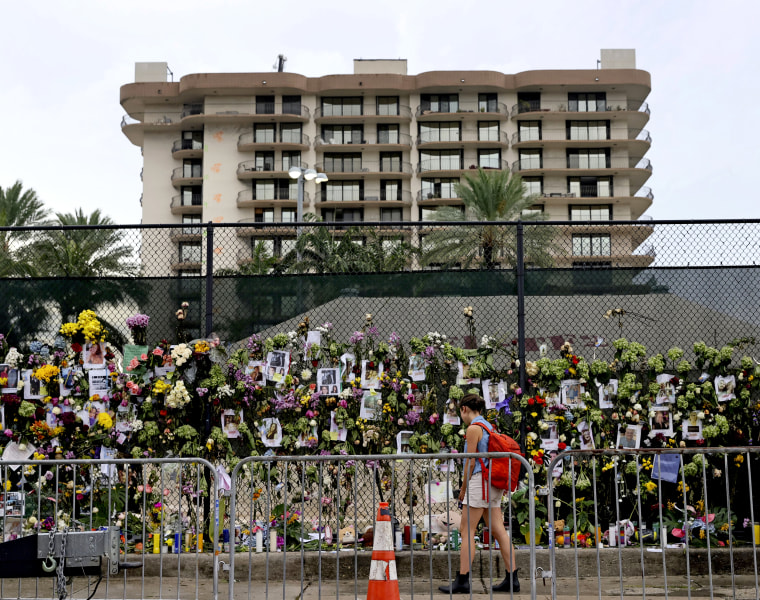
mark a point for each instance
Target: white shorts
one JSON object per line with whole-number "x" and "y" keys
{"x": 473, "y": 495}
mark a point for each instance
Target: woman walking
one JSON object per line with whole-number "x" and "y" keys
{"x": 480, "y": 501}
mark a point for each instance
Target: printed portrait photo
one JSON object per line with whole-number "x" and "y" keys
{"x": 607, "y": 393}
{"x": 662, "y": 421}
{"x": 585, "y": 435}
{"x": 372, "y": 406}
{"x": 630, "y": 437}
{"x": 725, "y": 387}
{"x": 371, "y": 372}
{"x": 8, "y": 379}
{"x": 571, "y": 391}
{"x": 666, "y": 394}
{"x": 94, "y": 355}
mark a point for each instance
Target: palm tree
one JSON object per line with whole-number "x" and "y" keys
{"x": 261, "y": 263}
{"x": 490, "y": 196}
{"x": 18, "y": 208}
{"x": 99, "y": 265}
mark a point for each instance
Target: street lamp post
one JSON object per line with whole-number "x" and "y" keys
{"x": 301, "y": 174}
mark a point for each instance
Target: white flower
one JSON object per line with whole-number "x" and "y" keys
{"x": 306, "y": 374}
{"x": 651, "y": 414}
{"x": 533, "y": 435}
{"x": 13, "y": 358}
{"x": 57, "y": 410}
{"x": 628, "y": 414}
{"x": 563, "y": 438}
{"x": 313, "y": 423}
{"x": 225, "y": 390}
{"x": 700, "y": 415}
{"x": 637, "y": 406}
{"x": 180, "y": 354}
{"x": 698, "y": 390}
{"x": 636, "y": 418}
{"x": 543, "y": 425}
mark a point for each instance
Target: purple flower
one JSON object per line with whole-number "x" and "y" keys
{"x": 372, "y": 331}
{"x": 357, "y": 337}
{"x": 394, "y": 338}
{"x": 201, "y": 391}
{"x": 138, "y": 320}
{"x": 412, "y": 417}
{"x": 429, "y": 352}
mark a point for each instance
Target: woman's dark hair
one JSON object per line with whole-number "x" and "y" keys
{"x": 473, "y": 402}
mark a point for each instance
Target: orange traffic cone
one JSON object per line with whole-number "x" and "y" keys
{"x": 383, "y": 580}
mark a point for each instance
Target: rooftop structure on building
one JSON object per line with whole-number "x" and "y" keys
{"x": 218, "y": 146}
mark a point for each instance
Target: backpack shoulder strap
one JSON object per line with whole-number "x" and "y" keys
{"x": 484, "y": 426}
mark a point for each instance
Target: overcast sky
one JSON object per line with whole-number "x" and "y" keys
{"x": 63, "y": 63}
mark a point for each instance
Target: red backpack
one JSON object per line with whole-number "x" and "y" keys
{"x": 503, "y": 476}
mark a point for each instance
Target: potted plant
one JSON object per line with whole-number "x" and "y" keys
{"x": 521, "y": 511}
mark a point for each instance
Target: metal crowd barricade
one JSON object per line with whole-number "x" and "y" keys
{"x": 121, "y": 528}
{"x": 302, "y": 502}
{"x": 721, "y": 525}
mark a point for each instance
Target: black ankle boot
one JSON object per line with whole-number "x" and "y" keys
{"x": 510, "y": 581}
{"x": 461, "y": 585}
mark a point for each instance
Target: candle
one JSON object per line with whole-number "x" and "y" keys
{"x": 200, "y": 541}
{"x": 259, "y": 540}
{"x": 156, "y": 544}
{"x": 273, "y": 541}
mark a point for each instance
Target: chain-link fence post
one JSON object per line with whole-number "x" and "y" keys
{"x": 520, "y": 276}
{"x": 209, "y": 278}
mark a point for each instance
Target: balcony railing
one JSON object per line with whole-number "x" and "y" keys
{"x": 353, "y": 112}
{"x": 187, "y": 145}
{"x": 465, "y": 137}
{"x": 601, "y": 106}
{"x": 289, "y": 138}
{"x": 187, "y": 172}
{"x": 367, "y": 196}
{"x": 398, "y": 139}
{"x": 560, "y": 135}
{"x": 436, "y": 165}
{"x": 268, "y": 165}
{"x": 435, "y": 196}
{"x": 575, "y": 164}
{"x": 365, "y": 166}
{"x": 464, "y": 107}
{"x": 127, "y": 120}
{"x": 281, "y": 193}
{"x": 187, "y": 257}
{"x": 182, "y": 200}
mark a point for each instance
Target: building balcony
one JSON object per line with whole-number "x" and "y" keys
{"x": 370, "y": 198}
{"x": 248, "y": 142}
{"x": 596, "y": 167}
{"x": 468, "y": 138}
{"x": 187, "y": 175}
{"x": 601, "y": 107}
{"x": 435, "y": 166}
{"x": 396, "y": 141}
{"x": 187, "y": 260}
{"x": 181, "y": 205}
{"x": 269, "y": 169}
{"x": 366, "y": 168}
{"x": 182, "y": 149}
{"x": 266, "y": 113}
{"x": 255, "y": 228}
{"x": 466, "y": 110}
{"x": 245, "y": 199}
{"x": 637, "y": 203}
{"x": 403, "y": 113}
{"x": 637, "y": 142}
{"x": 432, "y": 198}
{"x": 186, "y": 234}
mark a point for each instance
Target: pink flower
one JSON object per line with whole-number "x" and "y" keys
{"x": 140, "y": 488}
{"x": 343, "y": 403}
{"x": 518, "y": 391}
{"x": 158, "y": 352}
{"x": 432, "y": 419}
{"x": 167, "y": 491}
{"x": 143, "y": 356}
{"x": 133, "y": 364}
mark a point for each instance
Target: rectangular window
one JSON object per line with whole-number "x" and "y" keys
{"x": 342, "y": 107}
{"x": 533, "y": 211}
{"x": 263, "y": 133}
{"x": 192, "y": 195}
{"x": 531, "y": 159}
{"x": 287, "y": 245}
{"x": 588, "y": 158}
{"x": 388, "y": 134}
{"x": 390, "y": 189}
{"x": 528, "y": 101}
{"x": 588, "y": 130}
{"x": 264, "y": 161}
{"x": 288, "y": 215}
{"x": 488, "y": 103}
{"x": 290, "y": 158}
{"x": 488, "y": 131}
{"x": 590, "y": 212}
{"x": 390, "y": 162}
{"x": 190, "y": 252}
{"x": 590, "y": 187}
{"x": 387, "y": 105}
{"x": 392, "y": 214}
{"x": 587, "y": 101}
{"x": 291, "y": 133}
{"x": 266, "y": 243}
{"x": 343, "y": 191}
{"x": 591, "y": 244}
{"x": 191, "y": 219}
{"x": 343, "y": 163}
{"x": 263, "y": 189}
{"x": 534, "y": 186}
{"x": 439, "y": 160}
{"x": 264, "y": 105}
{"x": 192, "y": 168}
{"x": 192, "y": 140}
{"x": 440, "y": 132}
{"x": 529, "y": 131}
{"x": 263, "y": 215}
{"x": 489, "y": 159}
{"x": 427, "y": 212}
{"x": 343, "y": 215}
{"x": 286, "y": 189}
{"x": 291, "y": 105}
{"x": 342, "y": 134}
{"x": 192, "y": 108}
{"x": 439, "y": 103}
{"x": 442, "y": 187}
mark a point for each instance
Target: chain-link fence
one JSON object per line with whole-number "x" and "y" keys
{"x": 659, "y": 283}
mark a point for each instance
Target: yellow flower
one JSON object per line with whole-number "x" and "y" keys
{"x": 650, "y": 486}
{"x": 46, "y": 373}
{"x": 671, "y": 505}
{"x": 701, "y": 534}
{"x": 105, "y": 420}
{"x": 680, "y": 486}
{"x": 534, "y": 414}
{"x": 739, "y": 459}
{"x": 700, "y": 505}
{"x": 202, "y": 346}
{"x": 7, "y": 485}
